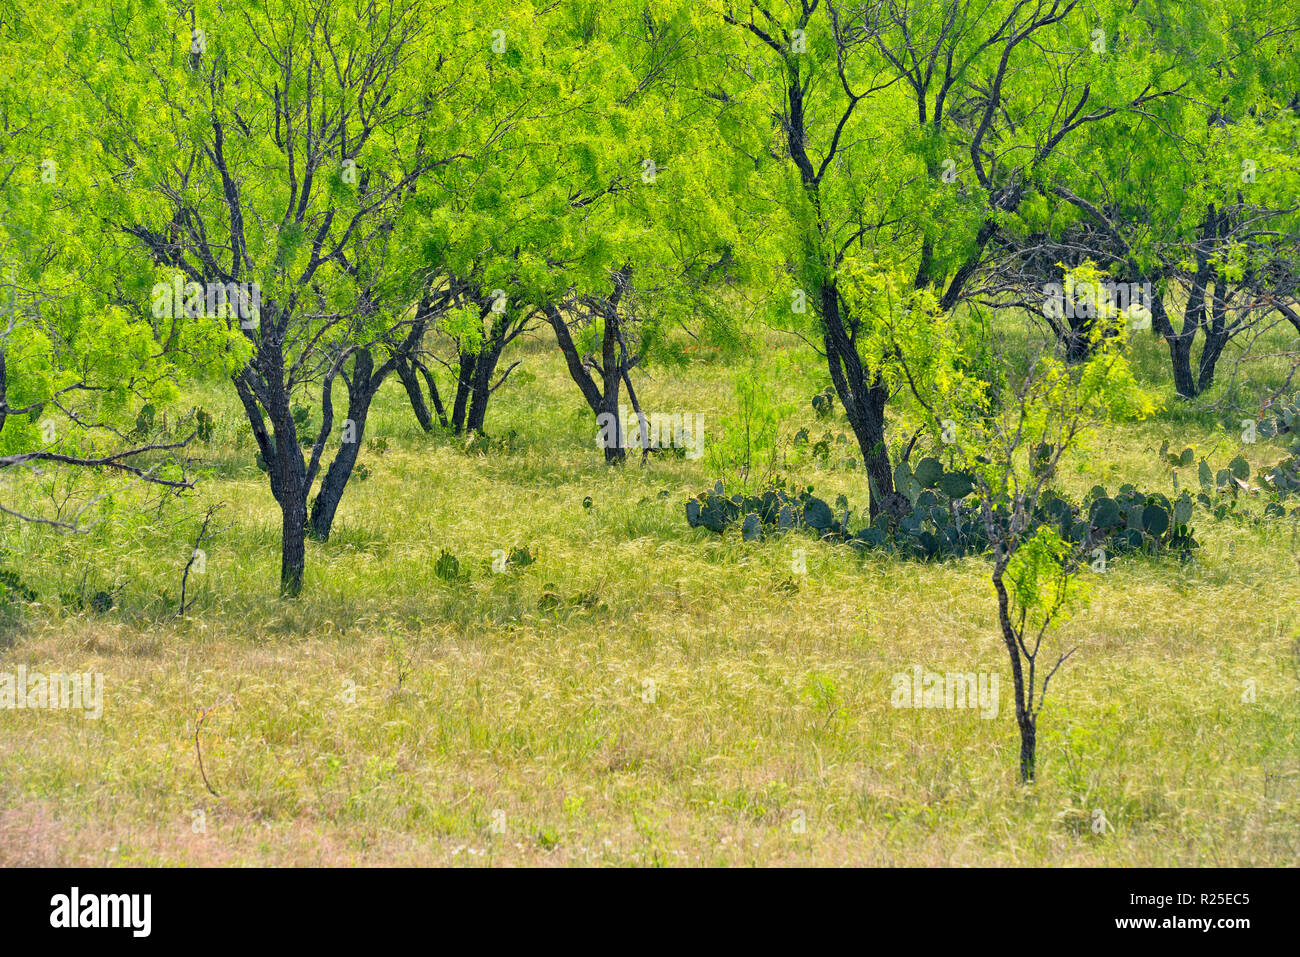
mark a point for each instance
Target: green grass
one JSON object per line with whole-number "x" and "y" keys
{"x": 674, "y": 702}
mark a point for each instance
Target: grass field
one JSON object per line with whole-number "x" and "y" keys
{"x": 644, "y": 693}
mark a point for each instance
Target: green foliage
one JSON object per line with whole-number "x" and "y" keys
{"x": 746, "y": 447}
{"x": 1039, "y": 578}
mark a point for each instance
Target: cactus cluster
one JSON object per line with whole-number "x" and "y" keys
{"x": 448, "y": 567}
{"x": 832, "y": 450}
{"x": 1221, "y": 488}
{"x": 1280, "y": 418}
{"x": 823, "y": 402}
{"x": 935, "y": 514}
{"x": 775, "y": 509}
{"x": 1131, "y": 520}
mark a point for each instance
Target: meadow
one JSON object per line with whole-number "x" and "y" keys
{"x": 642, "y": 692}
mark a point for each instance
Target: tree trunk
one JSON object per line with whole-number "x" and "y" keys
{"x": 261, "y": 389}
{"x": 1180, "y": 356}
{"x": 1194, "y": 319}
{"x": 1028, "y": 744}
{"x": 432, "y": 385}
{"x": 291, "y": 479}
{"x": 614, "y": 451}
{"x": 1216, "y": 337}
{"x": 1180, "y": 348}
{"x": 464, "y": 388}
{"x": 362, "y": 385}
{"x": 864, "y": 401}
{"x": 601, "y": 402}
{"x": 1077, "y": 345}
{"x": 326, "y": 503}
{"x": 1025, "y": 718}
{"x": 1210, "y": 352}
{"x": 293, "y": 536}
{"x": 612, "y": 363}
{"x": 484, "y": 368}
{"x": 411, "y": 382}
{"x": 4, "y": 392}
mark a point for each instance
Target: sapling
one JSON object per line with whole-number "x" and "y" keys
{"x": 1009, "y": 442}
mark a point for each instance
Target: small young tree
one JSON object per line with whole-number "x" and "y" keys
{"x": 1009, "y": 442}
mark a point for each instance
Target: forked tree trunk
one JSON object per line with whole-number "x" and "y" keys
{"x": 1216, "y": 337}
{"x": 464, "y": 386}
{"x": 262, "y": 389}
{"x": 1180, "y": 348}
{"x": 602, "y": 402}
{"x": 615, "y": 365}
{"x": 474, "y": 384}
{"x": 481, "y": 390}
{"x": 407, "y": 372}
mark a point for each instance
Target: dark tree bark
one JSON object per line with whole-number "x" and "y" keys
{"x": 362, "y": 386}
{"x": 464, "y": 386}
{"x": 1026, "y": 719}
{"x": 405, "y": 370}
{"x": 474, "y": 371}
{"x": 613, "y": 368}
{"x": 299, "y": 342}
{"x": 262, "y": 388}
{"x": 485, "y": 367}
{"x": 265, "y": 391}
{"x": 862, "y": 396}
{"x": 432, "y": 385}
{"x": 1217, "y": 334}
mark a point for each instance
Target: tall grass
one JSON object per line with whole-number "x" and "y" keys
{"x": 643, "y": 693}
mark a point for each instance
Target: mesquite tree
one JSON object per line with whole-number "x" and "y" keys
{"x": 1192, "y": 198}
{"x": 602, "y": 366}
{"x": 473, "y": 333}
{"x": 279, "y": 146}
{"x": 606, "y": 207}
{"x": 917, "y": 126}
